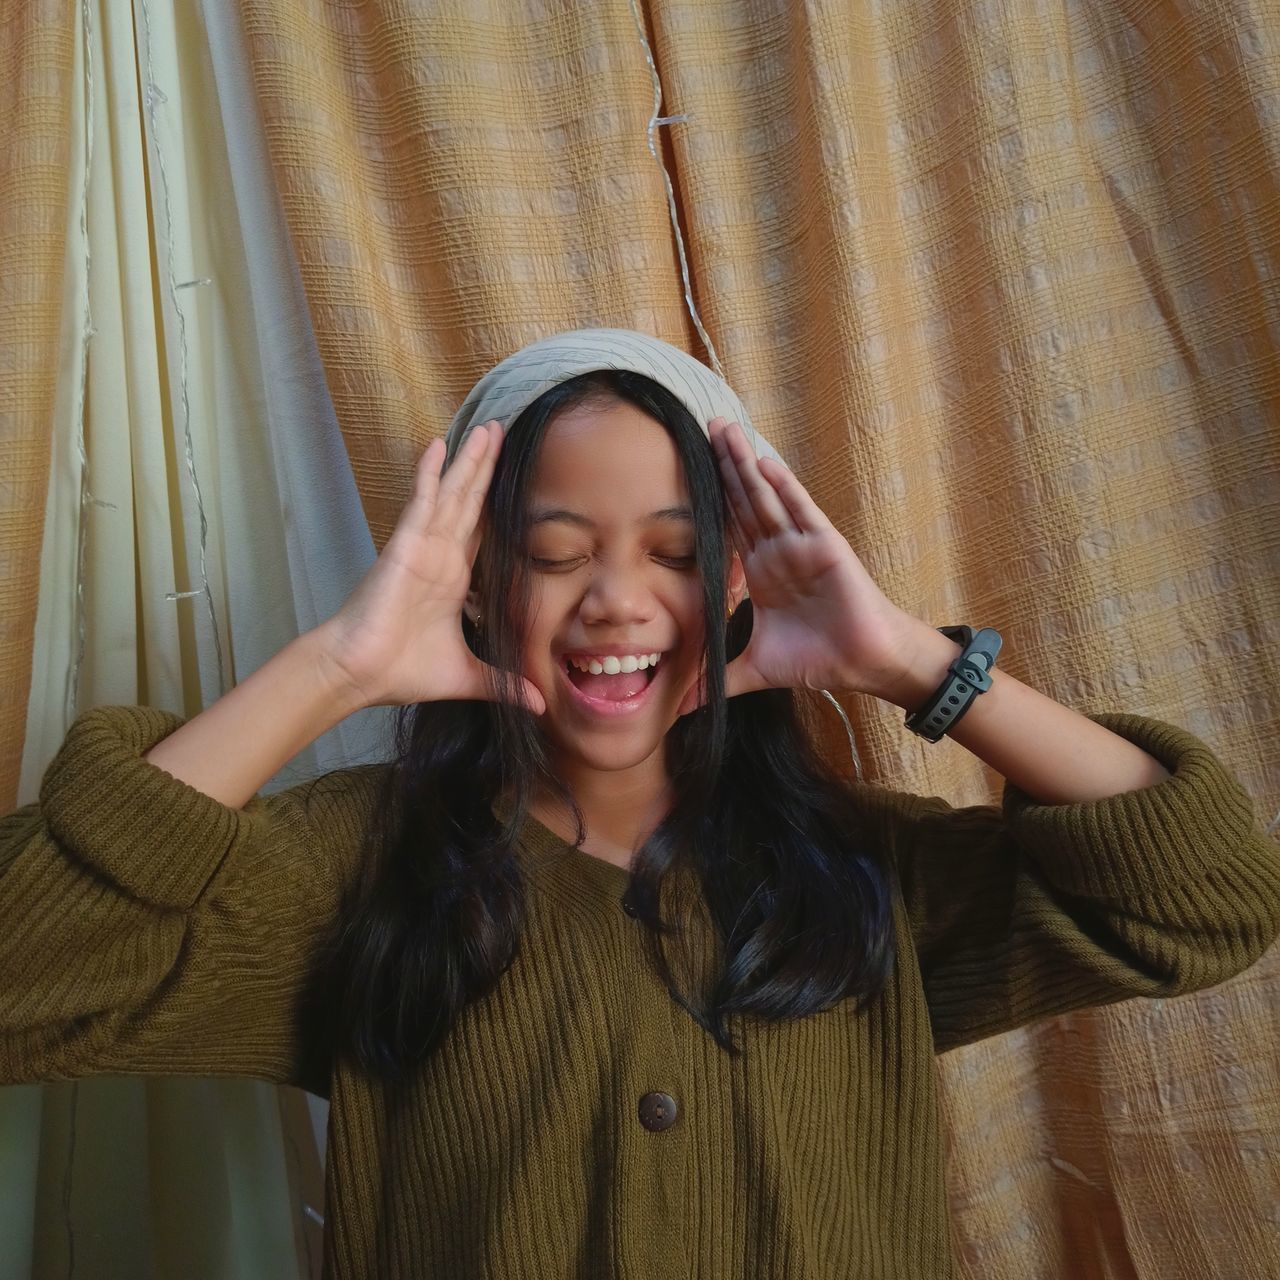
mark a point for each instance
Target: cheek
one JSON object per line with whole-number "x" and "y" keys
{"x": 545, "y": 622}
{"x": 684, "y": 604}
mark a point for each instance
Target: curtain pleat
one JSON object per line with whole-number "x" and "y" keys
{"x": 36, "y": 93}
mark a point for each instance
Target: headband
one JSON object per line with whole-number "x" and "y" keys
{"x": 516, "y": 382}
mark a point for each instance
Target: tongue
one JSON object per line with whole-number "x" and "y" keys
{"x": 615, "y": 688}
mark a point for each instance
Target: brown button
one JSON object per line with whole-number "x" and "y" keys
{"x": 657, "y": 1111}
{"x": 629, "y": 907}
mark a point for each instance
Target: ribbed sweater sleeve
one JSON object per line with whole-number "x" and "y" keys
{"x": 1025, "y": 910}
{"x": 147, "y": 928}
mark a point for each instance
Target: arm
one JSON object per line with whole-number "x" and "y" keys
{"x": 151, "y": 929}
{"x": 1021, "y": 910}
{"x": 1124, "y": 860}
{"x": 1042, "y": 747}
{"x": 233, "y": 747}
{"x": 158, "y": 916}
{"x": 397, "y": 639}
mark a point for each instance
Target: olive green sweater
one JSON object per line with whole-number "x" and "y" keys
{"x": 578, "y": 1122}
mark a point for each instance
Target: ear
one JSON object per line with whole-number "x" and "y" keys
{"x": 737, "y": 580}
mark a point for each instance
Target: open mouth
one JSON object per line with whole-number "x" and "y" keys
{"x": 617, "y": 693}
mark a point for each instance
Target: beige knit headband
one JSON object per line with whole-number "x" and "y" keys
{"x": 514, "y": 383}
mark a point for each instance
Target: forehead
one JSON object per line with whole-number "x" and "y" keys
{"x": 611, "y": 461}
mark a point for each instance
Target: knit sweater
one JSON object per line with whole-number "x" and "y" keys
{"x": 577, "y": 1121}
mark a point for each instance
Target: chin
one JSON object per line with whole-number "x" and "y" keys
{"x": 607, "y": 752}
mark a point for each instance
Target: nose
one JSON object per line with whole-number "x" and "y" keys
{"x": 617, "y": 597}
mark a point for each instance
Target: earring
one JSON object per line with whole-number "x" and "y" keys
{"x": 728, "y": 612}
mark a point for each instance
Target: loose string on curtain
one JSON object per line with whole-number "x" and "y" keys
{"x": 86, "y": 498}
{"x": 152, "y": 97}
{"x": 656, "y": 120}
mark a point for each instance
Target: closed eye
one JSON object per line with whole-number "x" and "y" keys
{"x": 552, "y": 564}
{"x": 676, "y": 562}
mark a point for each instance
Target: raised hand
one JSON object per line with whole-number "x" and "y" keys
{"x": 818, "y": 619}
{"x": 398, "y": 638}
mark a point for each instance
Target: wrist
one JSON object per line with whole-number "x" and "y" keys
{"x": 925, "y": 665}
{"x": 342, "y": 694}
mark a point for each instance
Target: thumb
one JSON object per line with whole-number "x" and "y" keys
{"x": 483, "y": 691}
{"x": 737, "y": 679}
{"x": 533, "y": 697}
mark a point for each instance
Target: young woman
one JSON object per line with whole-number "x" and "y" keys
{"x": 608, "y": 974}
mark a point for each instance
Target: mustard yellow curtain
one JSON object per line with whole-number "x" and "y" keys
{"x": 999, "y": 281}
{"x": 36, "y": 77}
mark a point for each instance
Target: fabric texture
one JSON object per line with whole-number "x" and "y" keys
{"x": 514, "y": 383}
{"x": 164, "y": 932}
{"x": 38, "y": 88}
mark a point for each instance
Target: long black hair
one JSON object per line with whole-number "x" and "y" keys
{"x": 799, "y": 900}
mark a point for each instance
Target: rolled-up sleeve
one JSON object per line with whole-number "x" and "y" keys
{"x": 146, "y": 928}
{"x": 1023, "y": 910}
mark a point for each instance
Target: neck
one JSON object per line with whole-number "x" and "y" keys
{"x": 621, "y": 807}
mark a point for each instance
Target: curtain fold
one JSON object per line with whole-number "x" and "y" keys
{"x": 36, "y": 162}
{"x": 999, "y": 282}
{"x": 204, "y": 404}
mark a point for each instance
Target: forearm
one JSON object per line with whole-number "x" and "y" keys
{"x": 1054, "y": 754}
{"x": 233, "y": 747}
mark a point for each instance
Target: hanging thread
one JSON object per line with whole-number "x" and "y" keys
{"x": 82, "y": 391}
{"x": 656, "y": 120}
{"x": 86, "y": 499}
{"x": 153, "y": 95}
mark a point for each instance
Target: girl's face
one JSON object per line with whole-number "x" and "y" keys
{"x": 613, "y": 575}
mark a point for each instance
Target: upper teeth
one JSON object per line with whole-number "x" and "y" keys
{"x": 612, "y": 666}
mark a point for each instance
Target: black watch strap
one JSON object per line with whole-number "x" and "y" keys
{"x": 968, "y": 676}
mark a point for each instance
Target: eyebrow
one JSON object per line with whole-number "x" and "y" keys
{"x": 671, "y": 515}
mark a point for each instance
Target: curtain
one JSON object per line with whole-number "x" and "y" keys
{"x": 36, "y": 84}
{"x": 214, "y": 518}
{"x": 999, "y": 281}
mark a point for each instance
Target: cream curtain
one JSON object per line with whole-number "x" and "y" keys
{"x": 202, "y": 396}
{"x": 999, "y": 280}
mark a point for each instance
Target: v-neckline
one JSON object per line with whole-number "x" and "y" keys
{"x": 546, "y": 846}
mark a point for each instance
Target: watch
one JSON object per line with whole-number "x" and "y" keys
{"x": 968, "y": 676}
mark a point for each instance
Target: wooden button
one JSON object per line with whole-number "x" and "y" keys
{"x": 657, "y": 1111}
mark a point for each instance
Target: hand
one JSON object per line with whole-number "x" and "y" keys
{"x": 818, "y": 619}
{"x": 398, "y": 638}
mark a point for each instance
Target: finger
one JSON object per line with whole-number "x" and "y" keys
{"x": 459, "y": 477}
{"x": 426, "y": 484}
{"x": 473, "y": 500}
{"x": 737, "y": 533}
{"x": 474, "y": 541}
{"x": 740, "y": 676}
{"x": 805, "y": 513}
{"x": 739, "y": 504}
{"x": 528, "y": 696}
{"x": 767, "y": 508}
{"x": 534, "y": 699}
